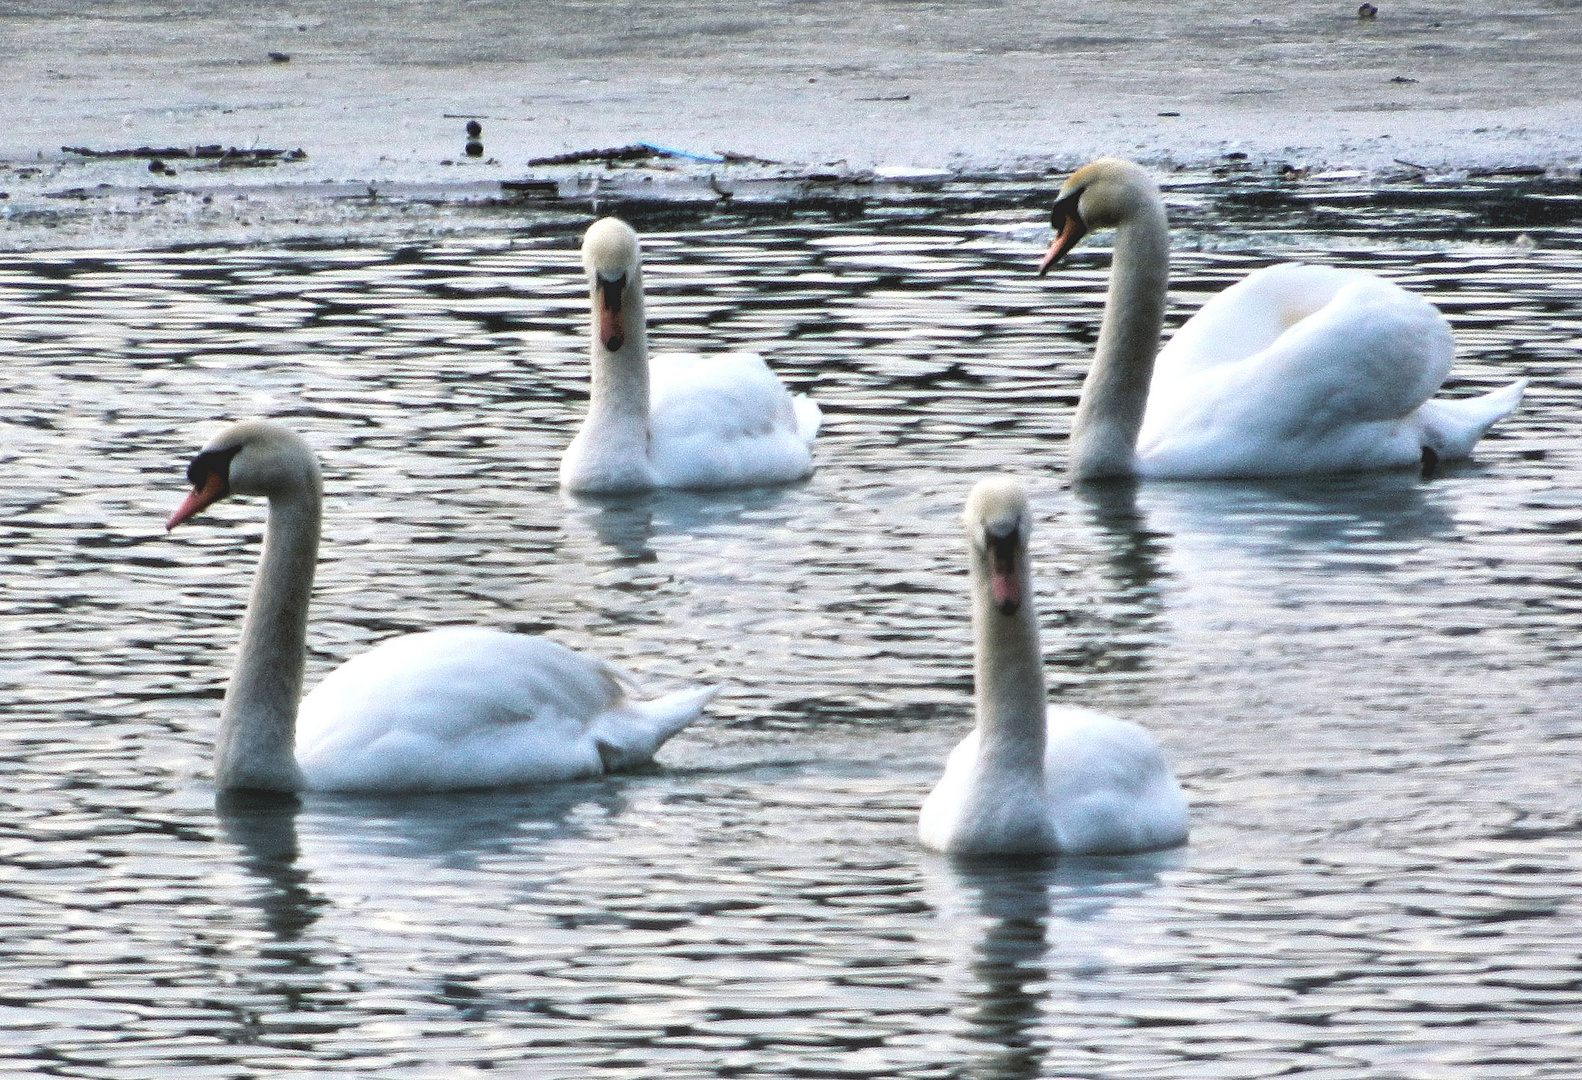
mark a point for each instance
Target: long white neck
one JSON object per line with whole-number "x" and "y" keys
{"x": 617, "y": 422}
{"x": 1008, "y": 668}
{"x": 257, "y": 741}
{"x": 1115, "y": 392}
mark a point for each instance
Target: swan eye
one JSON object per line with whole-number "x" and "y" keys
{"x": 1065, "y": 209}
{"x": 212, "y": 463}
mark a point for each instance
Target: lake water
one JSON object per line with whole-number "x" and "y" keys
{"x": 1367, "y": 685}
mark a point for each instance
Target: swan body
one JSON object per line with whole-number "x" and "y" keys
{"x": 1032, "y": 779}
{"x": 674, "y": 420}
{"x": 1294, "y": 370}
{"x": 450, "y": 709}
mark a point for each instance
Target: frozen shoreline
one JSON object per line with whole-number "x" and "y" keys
{"x": 377, "y": 96}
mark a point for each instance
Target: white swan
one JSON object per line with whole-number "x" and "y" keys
{"x": 1294, "y": 370}
{"x": 462, "y": 707}
{"x": 1035, "y": 779}
{"x": 675, "y": 420}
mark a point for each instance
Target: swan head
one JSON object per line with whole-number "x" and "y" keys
{"x": 612, "y": 258}
{"x": 998, "y": 523}
{"x": 1103, "y": 194}
{"x": 251, "y": 457}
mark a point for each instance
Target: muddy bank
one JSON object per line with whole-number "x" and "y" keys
{"x": 433, "y": 116}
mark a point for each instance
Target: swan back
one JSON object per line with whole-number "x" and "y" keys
{"x": 726, "y": 421}
{"x": 455, "y": 708}
{"x": 469, "y": 707}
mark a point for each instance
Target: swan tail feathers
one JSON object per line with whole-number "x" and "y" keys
{"x": 808, "y": 417}
{"x": 632, "y": 735}
{"x": 1453, "y": 426}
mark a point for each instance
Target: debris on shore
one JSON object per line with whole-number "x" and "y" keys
{"x": 217, "y": 155}
{"x": 636, "y": 152}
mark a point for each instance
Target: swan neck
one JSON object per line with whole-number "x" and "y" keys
{"x": 256, "y": 748}
{"x": 1008, "y": 670}
{"x": 1115, "y": 392}
{"x": 620, "y": 376}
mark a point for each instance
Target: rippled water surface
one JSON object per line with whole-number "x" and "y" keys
{"x": 1367, "y": 685}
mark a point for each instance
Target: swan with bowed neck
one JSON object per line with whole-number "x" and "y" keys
{"x": 1031, "y": 778}
{"x": 1294, "y": 370}
{"x": 674, "y": 420}
{"x": 450, "y": 709}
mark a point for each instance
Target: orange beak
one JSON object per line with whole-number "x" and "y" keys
{"x": 1005, "y": 587}
{"x": 612, "y": 332}
{"x": 1069, "y": 228}
{"x": 210, "y": 492}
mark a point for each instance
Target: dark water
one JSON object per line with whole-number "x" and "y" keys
{"x": 1367, "y": 685}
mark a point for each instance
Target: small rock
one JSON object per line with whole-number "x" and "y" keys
{"x": 474, "y": 129}
{"x": 280, "y": 57}
{"x": 475, "y": 149}
{"x": 1367, "y": 11}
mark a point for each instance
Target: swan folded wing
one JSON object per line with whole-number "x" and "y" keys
{"x": 724, "y": 421}
{"x": 1110, "y": 788}
{"x": 456, "y": 708}
{"x": 1248, "y": 317}
{"x": 1338, "y": 390}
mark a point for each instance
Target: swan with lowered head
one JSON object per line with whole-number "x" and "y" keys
{"x": 450, "y": 709}
{"x": 1294, "y": 370}
{"x": 1032, "y": 778}
{"x": 674, "y": 420}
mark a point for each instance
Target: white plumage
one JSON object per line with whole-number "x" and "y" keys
{"x": 675, "y": 420}
{"x": 455, "y": 708}
{"x": 1035, "y": 779}
{"x": 1309, "y": 369}
{"x": 1105, "y": 789}
{"x": 1294, "y": 370}
{"x": 468, "y": 707}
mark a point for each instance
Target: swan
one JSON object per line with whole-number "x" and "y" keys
{"x": 449, "y": 709}
{"x": 1294, "y": 370}
{"x": 1031, "y": 778}
{"x": 674, "y": 420}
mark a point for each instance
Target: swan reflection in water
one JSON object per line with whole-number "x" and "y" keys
{"x": 263, "y": 826}
{"x": 461, "y": 830}
{"x": 627, "y": 523}
{"x": 1040, "y": 925}
{"x": 1319, "y": 531}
